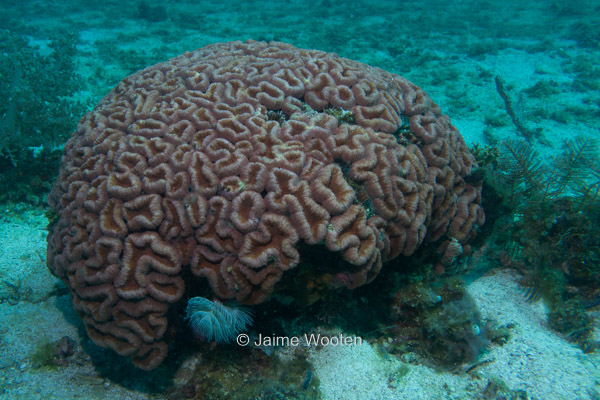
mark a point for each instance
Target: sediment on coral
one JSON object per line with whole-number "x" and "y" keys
{"x": 216, "y": 165}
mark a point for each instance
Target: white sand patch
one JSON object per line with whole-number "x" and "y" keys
{"x": 27, "y": 326}
{"x": 360, "y": 372}
{"x": 535, "y": 359}
{"x": 23, "y": 272}
{"x": 471, "y": 130}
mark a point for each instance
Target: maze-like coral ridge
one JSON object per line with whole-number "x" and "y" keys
{"x": 215, "y": 165}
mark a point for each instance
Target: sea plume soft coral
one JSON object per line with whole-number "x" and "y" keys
{"x": 215, "y": 321}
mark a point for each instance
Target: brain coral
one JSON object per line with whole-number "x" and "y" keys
{"x": 216, "y": 165}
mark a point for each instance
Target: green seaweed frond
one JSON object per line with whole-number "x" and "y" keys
{"x": 524, "y": 162}
{"x": 574, "y": 172}
{"x": 589, "y": 192}
{"x": 523, "y": 170}
{"x": 45, "y": 354}
{"x": 575, "y": 161}
{"x": 550, "y": 234}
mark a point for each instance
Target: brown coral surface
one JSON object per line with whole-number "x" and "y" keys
{"x": 217, "y": 163}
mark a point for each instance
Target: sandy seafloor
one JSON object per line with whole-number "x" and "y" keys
{"x": 535, "y": 359}
{"x": 451, "y": 50}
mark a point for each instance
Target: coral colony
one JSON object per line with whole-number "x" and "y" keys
{"x": 222, "y": 164}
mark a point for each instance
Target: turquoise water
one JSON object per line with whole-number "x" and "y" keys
{"x": 327, "y": 213}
